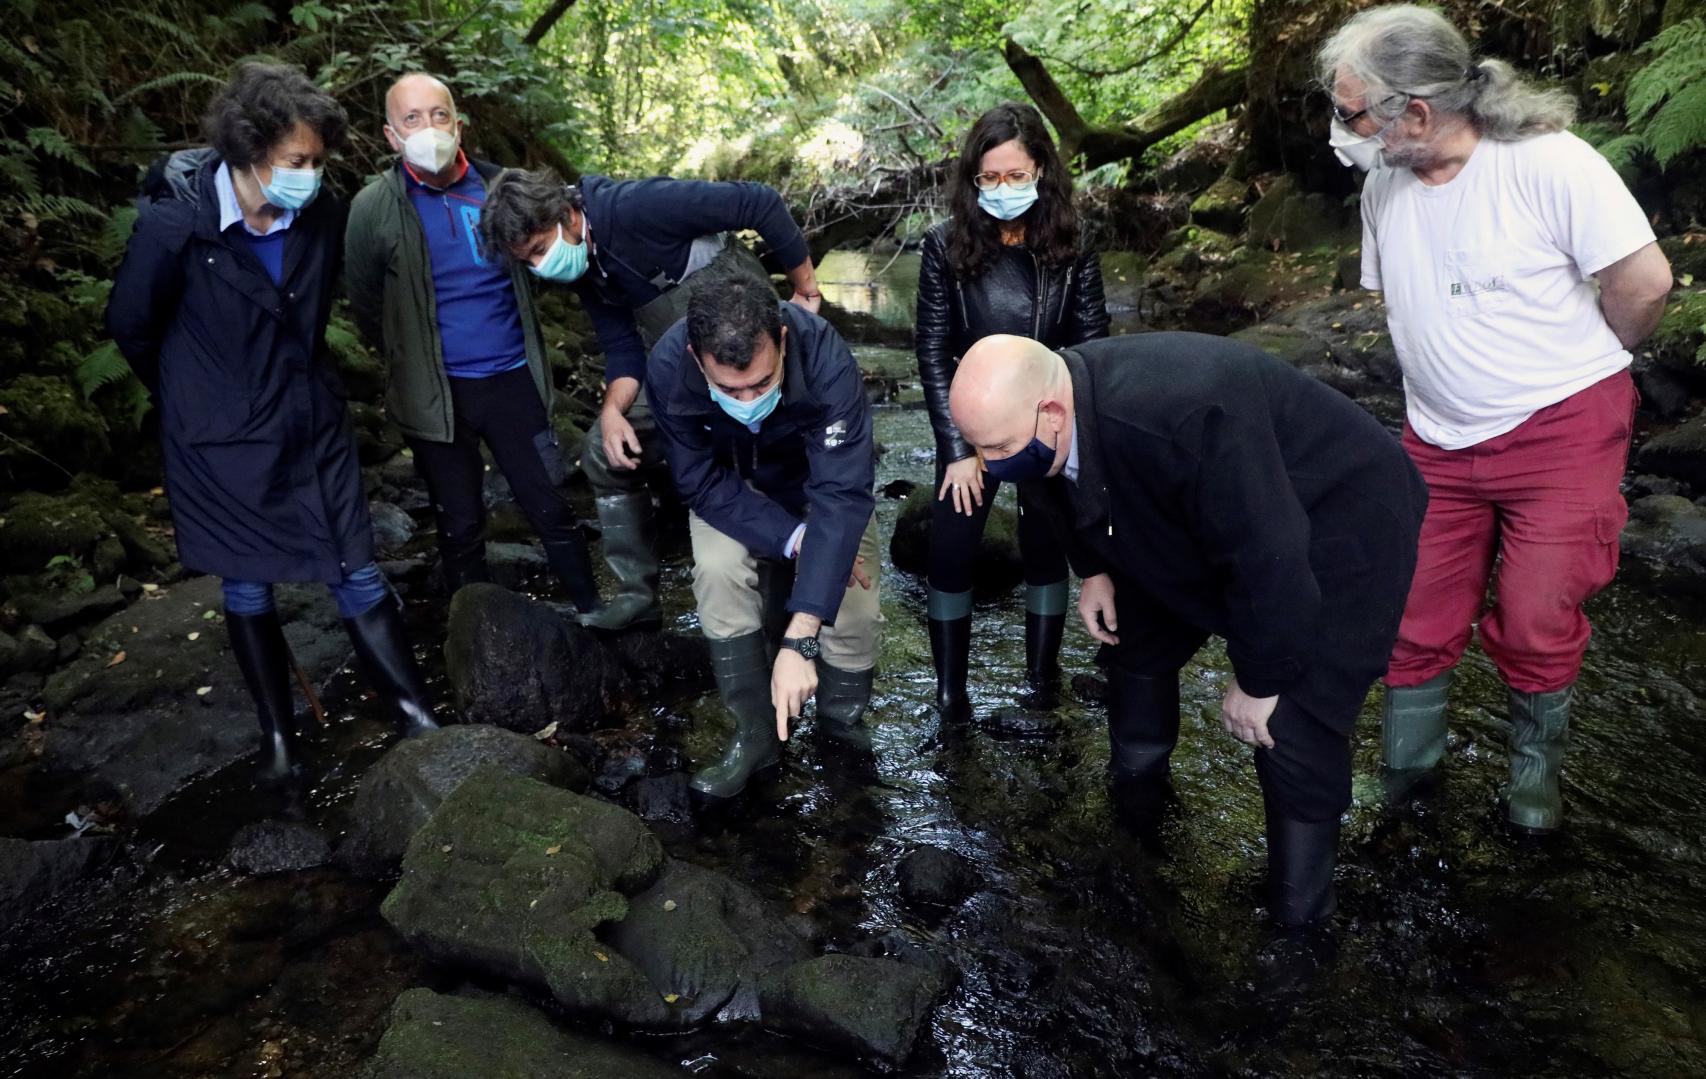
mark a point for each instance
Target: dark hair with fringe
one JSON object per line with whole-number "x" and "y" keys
{"x": 727, "y": 314}
{"x": 260, "y": 106}
{"x": 520, "y": 205}
{"x": 1051, "y": 225}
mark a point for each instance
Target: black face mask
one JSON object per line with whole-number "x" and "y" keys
{"x": 1031, "y": 463}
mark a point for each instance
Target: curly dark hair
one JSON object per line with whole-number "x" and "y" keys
{"x": 261, "y": 104}
{"x": 1051, "y": 226}
{"x": 520, "y": 205}
{"x": 727, "y": 314}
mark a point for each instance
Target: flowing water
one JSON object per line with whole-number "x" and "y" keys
{"x": 1083, "y": 951}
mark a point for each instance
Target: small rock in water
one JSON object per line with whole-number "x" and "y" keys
{"x": 933, "y": 877}
{"x": 272, "y": 846}
{"x": 1021, "y": 723}
{"x": 1090, "y": 688}
{"x": 897, "y": 488}
{"x": 663, "y": 798}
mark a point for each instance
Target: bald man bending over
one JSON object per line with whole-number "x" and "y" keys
{"x": 1206, "y": 487}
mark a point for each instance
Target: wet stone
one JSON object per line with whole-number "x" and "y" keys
{"x": 399, "y": 793}
{"x": 392, "y": 528}
{"x": 876, "y": 1008}
{"x": 273, "y": 846}
{"x": 1090, "y": 688}
{"x": 997, "y": 568}
{"x": 933, "y": 877}
{"x": 1016, "y": 722}
{"x": 36, "y": 874}
{"x": 437, "y": 1036}
{"x": 663, "y": 799}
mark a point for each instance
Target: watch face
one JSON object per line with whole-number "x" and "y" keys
{"x": 807, "y": 647}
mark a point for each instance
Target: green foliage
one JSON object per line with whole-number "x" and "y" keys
{"x": 1666, "y": 99}
{"x": 66, "y": 573}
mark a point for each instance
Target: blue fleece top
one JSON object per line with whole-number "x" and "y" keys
{"x": 479, "y": 323}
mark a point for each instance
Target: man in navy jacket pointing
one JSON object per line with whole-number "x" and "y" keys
{"x": 768, "y": 436}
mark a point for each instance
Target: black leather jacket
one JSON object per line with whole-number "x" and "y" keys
{"x": 1018, "y": 295}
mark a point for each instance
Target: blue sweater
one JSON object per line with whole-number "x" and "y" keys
{"x": 478, "y": 320}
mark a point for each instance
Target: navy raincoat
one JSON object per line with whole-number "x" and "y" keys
{"x": 259, "y": 446}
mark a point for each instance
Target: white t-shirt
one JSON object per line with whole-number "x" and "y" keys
{"x": 1486, "y": 280}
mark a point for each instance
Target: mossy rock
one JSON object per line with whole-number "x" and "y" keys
{"x": 1680, "y": 453}
{"x": 49, "y": 417}
{"x": 997, "y": 567}
{"x": 1680, "y": 340}
{"x": 434, "y": 1036}
{"x": 39, "y": 527}
{"x": 512, "y": 877}
{"x": 1687, "y": 254}
{"x": 1287, "y": 218}
{"x": 1262, "y": 282}
{"x": 363, "y": 374}
{"x": 1221, "y": 207}
{"x": 873, "y": 1007}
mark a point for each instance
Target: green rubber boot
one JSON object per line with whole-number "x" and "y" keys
{"x": 842, "y": 698}
{"x": 742, "y": 667}
{"x": 629, "y": 535}
{"x": 1540, "y": 731}
{"x": 1412, "y": 734}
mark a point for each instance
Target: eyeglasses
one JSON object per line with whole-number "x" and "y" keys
{"x": 1020, "y": 178}
{"x": 1346, "y": 117}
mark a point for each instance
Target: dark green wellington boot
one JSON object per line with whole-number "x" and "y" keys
{"x": 1045, "y": 625}
{"x": 950, "y": 650}
{"x": 1412, "y": 734}
{"x": 572, "y": 564}
{"x": 258, "y": 645}
{"x": 1540, "y": 731}
{"x": 742, "y": 667}
{"x": 842, "y": 698}
{"x": 1301, "y": 858}
{"x": 630, "y": 545}
{"x": 384, "y": 657}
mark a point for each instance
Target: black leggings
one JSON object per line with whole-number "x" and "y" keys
{"x": 953, "y": 535}
{"x": 505, "y": 412}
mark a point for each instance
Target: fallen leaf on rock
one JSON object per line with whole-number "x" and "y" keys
{"x": 117, "y": 659}
{"x": 601, "y": 957}
{"x": 195, "y": 635}
{"x": 35, "y": 717}
{"x": 445, "y": 849}
{"x": 151, "y": 588}
{"x": 557, "y": 849}
{"x": 669, "y": 904}
{"x": 533, "y": 904}
{"x": 202, "y": 691}
{"x": 545, "y": 732}
{"x": 209, "y": 615}
{"x": 671, "y": 998}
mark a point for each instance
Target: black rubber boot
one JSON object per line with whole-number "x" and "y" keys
{"x": 1301, "y": 858}
{"x": 842, "y": 699}
{"x": 383, "y": 654}
{"x": 950, "y": 648}
{"x": 1412, "y": 735}
{"x": 572, "y": 564}
{"x": 1540, "y": 732}
{"x": 742, "y": 667}
{"x": 1043, "y": 633}
{"x": 464, "y": 567}
{"x": 1143, "y": 725}
{"x": 629, "y": 527}
{"x": 257, "y": 643}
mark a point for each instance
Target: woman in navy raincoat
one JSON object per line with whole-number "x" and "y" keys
{"x": 221, "y": 306}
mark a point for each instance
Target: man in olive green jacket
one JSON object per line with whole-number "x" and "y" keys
{"x": 460, "y": 337}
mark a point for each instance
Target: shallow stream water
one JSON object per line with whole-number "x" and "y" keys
{"x": 1083, "y": 951}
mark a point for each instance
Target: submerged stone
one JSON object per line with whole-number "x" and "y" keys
{"x": 996, "y": 568}
{"x": 876, "y": 1008}
{"x": 437, "y": 1036}
{"x": 277, "y": 846}
{"x": 34, "y": 874}
{"x": 933, "y": 877}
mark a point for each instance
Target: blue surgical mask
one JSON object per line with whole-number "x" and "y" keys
{"x": 291, "y": 189}
{"x": 563, "y": 260}
{"x": 1004, "y": 202}
{"x": 748, "y": 413}
{"x": 1031, "y": 463}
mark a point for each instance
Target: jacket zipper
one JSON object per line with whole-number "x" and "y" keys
{"x": 965, "y": 318}
{"x": 1037, "y": 299}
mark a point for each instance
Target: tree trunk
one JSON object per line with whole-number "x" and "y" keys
{"x": 542, "y": 25}
{"x": 1217, "y": 89}
{"x": 838, "y": 217}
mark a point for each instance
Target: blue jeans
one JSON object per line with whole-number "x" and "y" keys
{"x": 358, "y": 593}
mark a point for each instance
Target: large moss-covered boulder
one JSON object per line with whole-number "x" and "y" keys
{"x": 517, "y": 663}
{"x": 513, "y": 877}
{"x": 48, "y": 417}
{"x": 1664, "y": 544}
{"x": 996, "y": 566}
{"x": 876, "y": 1008}
{"x": 1680, "y": 452}
{"x": 437, "y": 1036}
{"x": 412, "y": 779}
{"x": 1221, "y": 207}
{"x": 1286, "y": 218}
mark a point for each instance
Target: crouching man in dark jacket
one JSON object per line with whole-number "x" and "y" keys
{"x": 768, "y": 435}
{"x": 1209, "y": 488}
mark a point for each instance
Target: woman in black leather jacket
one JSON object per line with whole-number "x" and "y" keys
{"x": 1008, "y": 260}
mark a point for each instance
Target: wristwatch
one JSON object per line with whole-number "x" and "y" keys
{"x": 805, "y": 646}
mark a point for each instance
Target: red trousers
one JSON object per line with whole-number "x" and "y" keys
{"x": 1544, "y": 499}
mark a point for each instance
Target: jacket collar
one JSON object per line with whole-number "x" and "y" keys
{"x": 1089, "y": 495}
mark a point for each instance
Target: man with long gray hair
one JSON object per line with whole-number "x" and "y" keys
{"x": 1485, "y": 225}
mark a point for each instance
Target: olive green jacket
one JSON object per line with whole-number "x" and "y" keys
{"x": 389, "y": 275}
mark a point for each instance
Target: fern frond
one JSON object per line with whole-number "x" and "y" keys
{"x": 166, "y": 27}
{"x": 1679, "y": 125}
{"x": 175, "y": 78}
{"x": 102, "y": 367}
{"x": 18, "y": 167}
{"x": 58, "y": 208}
{"x": 1679, "y": 58}
{"x": 49, "y": 141}
{"x": 116, "y": 234}
{"x": 249, "y": 16}
{"x": 1622, "y": 150}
